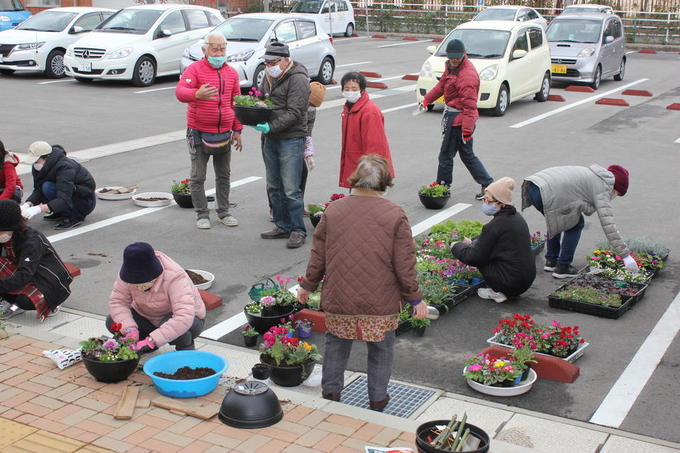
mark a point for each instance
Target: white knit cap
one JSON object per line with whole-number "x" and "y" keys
{"x": 39, "y": 148}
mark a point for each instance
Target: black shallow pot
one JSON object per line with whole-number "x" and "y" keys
{"x": 110, "y": 371}
{"x": 419, "y": 331}
{"x": 250, "y": 340}
{"x": 315, "y": 219}
{"x": 263, "y": 323}
{"x": 288, "y": 376}
{"x": 183, "y": 200}
{"x": 425, "y": 430}
{"x": 251, "y": 116}
{"x": 434, "y": 202}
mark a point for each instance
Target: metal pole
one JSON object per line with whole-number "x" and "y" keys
{"x": 668, "y": 27}
{"x": 368, "y": 29}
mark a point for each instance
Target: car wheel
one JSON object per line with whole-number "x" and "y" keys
{"x": 622, "y": 70}
{"x": 350, "y": 30}
{"x": 144, "y": 73}
{"x": 6, "y": 71}
{"x": 326, "y": 71}
{"x": 54, "y": 65}
{"x": 542, "y": 95}
{"x": 502, "y": 101}
{"x": 83, "y": 79}
{"x": 597, "y": 79}
{"x": 258, "y": 76}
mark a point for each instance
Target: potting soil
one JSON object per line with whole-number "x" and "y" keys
{"x": 187, "y": 372}
{"x": 197, "y": 279}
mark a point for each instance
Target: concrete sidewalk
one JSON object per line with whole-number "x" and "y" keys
{"x": 44, "y": 409}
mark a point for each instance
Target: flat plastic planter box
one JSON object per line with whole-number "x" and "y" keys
{"x": 570, "y": 358}
{"x": 592, "y": 309}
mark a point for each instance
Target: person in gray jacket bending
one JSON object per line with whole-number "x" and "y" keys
{"x": 563, "y": 195}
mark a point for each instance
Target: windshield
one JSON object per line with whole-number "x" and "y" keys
{"x": 137, "y": 21}
{"x": 496, "y": 14}
{"x": 479, "y": 43}
{"x": 585, "y": 31}
{"x": 307, "y": 6}
{"x": 11, "y": 5}
{"x": 48, "y": 21}
{"x": 243, "y": 29}
{"x": 585, "y": 9}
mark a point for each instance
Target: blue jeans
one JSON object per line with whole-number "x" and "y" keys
{"x": 78, "y": 208}
{"x": 283, "y": 161}
{"x": 452, "y": 143}
{"x": 562, "y": 246}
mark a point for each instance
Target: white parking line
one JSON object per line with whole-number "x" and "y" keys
{"x": 352, "y": 64}
{"x": 230, "y": 324}
{"x": 132, "y": 215}
{"x": 345, "y": 40}
{"x": 624, "y": 393}
{"x": 677, "y": 141}
{"x": 56, "y": 81}
{"x": 400, "y": 107}
{"x": 631, "y": 51}
{"x": 574, "y": 104}
{"x": 374, "y": 96}
{"x": 403, "y": 43}
{"x": 155, "y": 89}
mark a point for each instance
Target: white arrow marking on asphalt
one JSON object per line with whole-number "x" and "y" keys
{"x": 352, "y": 64}
{"x": 56, "y": 81}
{"x": 154, "y": 89}
{"x": 677, "y": 141}
{"x": 574, "y": 104}
{"x": 400, "y": 107}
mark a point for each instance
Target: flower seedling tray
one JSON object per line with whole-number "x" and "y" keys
{"x": 403, "y": 327}
{"x": 592, "y": 309}
{"x": 461, "y": 293}
{"x": 570, "y": 358}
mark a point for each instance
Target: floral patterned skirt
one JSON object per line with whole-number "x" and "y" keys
{"x": 360, "y": 327}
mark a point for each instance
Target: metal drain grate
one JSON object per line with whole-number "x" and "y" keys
{"x": 404, "y": 399}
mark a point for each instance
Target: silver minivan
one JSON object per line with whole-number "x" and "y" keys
{"x": 585, "y": 48}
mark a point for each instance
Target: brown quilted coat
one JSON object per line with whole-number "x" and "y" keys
{"x": 364, "y": 246}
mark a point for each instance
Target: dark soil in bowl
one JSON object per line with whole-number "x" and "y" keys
{"x": 186, "y": 373}
{"x": 152, "y": 199}
{"x": 197, "y": 279}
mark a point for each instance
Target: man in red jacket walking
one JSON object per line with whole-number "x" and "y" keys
{"x": 460, "y": 87}
{"x": 208, "y": 86}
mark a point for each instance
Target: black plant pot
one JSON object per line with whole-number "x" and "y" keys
{"x": 315, "y": 219}
{"x": 288, "y": 376}
{"x": 434, "y": 202}
{"x": 110, "y": 371}
{"x": 261, "y": 371}
{"x": 262, "y": 323}
{"x": 426, "y": 430}
{"x": 419, "y": 331}
{"x": 183, "y": 200}
{"x": 251, "y": 116}
{"x": 250, "y": 340}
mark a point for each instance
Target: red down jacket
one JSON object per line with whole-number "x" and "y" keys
{"x": 211, "y": 115}
{"x": 9, "y": 179}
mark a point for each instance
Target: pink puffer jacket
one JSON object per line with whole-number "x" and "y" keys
{"x": 173, "y": 293}
{"x": 211, "y": 115}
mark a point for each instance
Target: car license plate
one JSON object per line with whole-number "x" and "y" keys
{"x": 439, "y": 99}
{"x": 559, "y": 69}
{"x": 85, "y": 66}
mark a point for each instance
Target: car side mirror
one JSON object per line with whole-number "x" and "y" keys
{"x": 431, "y": 49}
{"x": 609, "y": 39}
{"x": 77, "y": 29}
{"x": 165, "y": 32}
{"x": 519, "y": 53}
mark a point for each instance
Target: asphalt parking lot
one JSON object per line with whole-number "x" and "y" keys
{"x": 644, "y": 137}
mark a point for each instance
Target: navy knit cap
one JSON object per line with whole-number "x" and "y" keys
{"x": 10, "y": 215}
{"x": 140, "y": 264}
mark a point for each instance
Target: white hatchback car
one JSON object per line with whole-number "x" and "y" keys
{"x": 336, "y": 16}
{"x": 512, "y": 59}
{"x": 39, "y": 43}
{"x": 514, "y": 13}
{"x": 139, "y": 43}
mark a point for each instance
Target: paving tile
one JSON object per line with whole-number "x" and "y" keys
{"x": 345, "y": 421}
{"x": 297, "y": 413}
{"x": 274, "y": 446}
{"x": 48, "y": 402}
{"x": 254, "y": 443}
{"x": 9, "y": 393}
{"x": 93, "y": 404}
{"x": 48, "y": 381}
{"x": 233, "y": 433}
{"x": 104, "y": 397}
{"x": 95, "y": 427}
{"x": 33, "y": 409}
{"x": 94, "y": 449}
{"x": 312, "y": 437}
{"x": 12, "y": 414}
{"x": 139, "y": 450}
{"x": 220, "y": 440}
{"x": 197, "y": 446}
{"x": 342, "y": 449}
{"x": 354, "y": 444}
{"x": 386, "y": 435}
{"x": 330, "y": 442}
{"x": 174, "y": 439}
{"x": 63, "y": 412}
{"x": 618, "y": 444}
{"x": 126, "y": 430}
{"x": 295, "y": 428}
{"x": 112, "y": 444}
{"x": 10, "y": 373}
{"x": 165, "y": 415}
{"x": 33, "y": 387}
{"x": 183, "y": 425}
{"x": 63, "y": 389}
{"x": 138, "y": 437}
{"x": 49, "y": 425}
{"x": 280, "y": 434}
{"x": 26, "y": 419}
{"x": 198, "y": 431}
{"x": 78, "y": 416}
{"x": 11, "y": 431}
{"x": 42, "y": 441}
{"x": 294, "y": 448}
{"x": 156, "y": 422}
{"x": 335, "y": 428}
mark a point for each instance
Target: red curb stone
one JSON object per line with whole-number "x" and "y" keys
{"x": 73, "y": 270}
{"x": 579, "y": 88}
{"x": 210, "y": 300}
{"x": 379, "y": 36}
{"x": 546, "y": 367}
{"x": 674, "y": 106}
{"x": 318, "y": 318}
{"x": 370, "y": 74}
{"x": 354, "y": 36}
{"x": 378, "y": 85}
{"x": 555, "y": 97}
{"x": 646, "y": 51}
{"x": 637, "y": 93}
{"x": 409, "y": 38}
{"x": 437, "y": 39}
{"x": 612, "y": 101}
{"x": 410, "y": 77}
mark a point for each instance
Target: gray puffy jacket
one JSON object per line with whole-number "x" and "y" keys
{"x": 290, "y": 96}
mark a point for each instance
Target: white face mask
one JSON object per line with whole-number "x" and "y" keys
{"x": 38, "y": 167}
{"x": 5, "y": 237}
{"x": 351, "y": 96}
{"x": 274, "y": 71}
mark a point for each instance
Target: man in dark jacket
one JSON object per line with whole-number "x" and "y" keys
{"x": 460, "y": 87}
{"x": 60, "y": 185}
{"x": 503, "y": 251}
{"x": 283, "y": 142}
{"x": 32, "y": 276}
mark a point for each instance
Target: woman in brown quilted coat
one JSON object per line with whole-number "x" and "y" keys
{"x": 363, "y": 246}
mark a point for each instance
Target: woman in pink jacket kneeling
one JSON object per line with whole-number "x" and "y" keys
{"x": 155, "y": 300}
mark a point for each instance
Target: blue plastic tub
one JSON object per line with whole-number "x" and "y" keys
{"x": 191, "y": 388}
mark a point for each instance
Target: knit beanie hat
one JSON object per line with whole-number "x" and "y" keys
{"x": 39, "y": 148}
{"x": 140, "y": 264}
{"x": 502, "y": 189}
{"x": 317, "y": 93}
{"x": 620, "y": 178}
{"x": 10, "y": 215}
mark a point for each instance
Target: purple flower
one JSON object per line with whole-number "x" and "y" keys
{"x": 110, "y": 344}
{"x": 267, "y": 301}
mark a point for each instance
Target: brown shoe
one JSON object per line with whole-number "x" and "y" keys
{"x": 276, "y": 233}
{"x": 296, "y": 239}
{"x": 379, "y": 405}
{"x": 333, "y": 396}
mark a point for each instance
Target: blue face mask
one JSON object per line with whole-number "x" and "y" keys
{"x": 490, "y": 208}
{"x": 217, "y": 62}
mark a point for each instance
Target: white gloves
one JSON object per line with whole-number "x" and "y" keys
{"x": 30, "y": 212}
{"x": 630, "y": 264}
{"x": 309, "y": 160}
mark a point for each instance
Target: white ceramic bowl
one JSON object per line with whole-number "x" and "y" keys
{"x": 152, "y": 204}
{"x": 206, "y": 275}
{"x": 520, "y": 389}
{"x": 114, "y": 196}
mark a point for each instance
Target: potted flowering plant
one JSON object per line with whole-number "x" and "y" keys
{"x": 434, "y": 196}
{"x": 252, "y": 109}
{"x": 537, "y": 242}
{"x": 275, "y": 302}
{"x": 291, "y": 360}
{"x": 419, "y": 325}
{"x": 249, "y": 336}
{"x": 181, "y": 192}
{"x": 317, "y": 210}
{"x": 110, "y": 359}
{"x": 648, "y": 264}
{"x": 498, "y": 376}
{"x": 303, "y": 328}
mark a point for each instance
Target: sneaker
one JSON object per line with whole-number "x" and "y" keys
{"x": 488, "y": 293}
{"x": 53, "y": 216}
{"x": 67, "y": 224}
{"x": 55, "y": 311}
{"x": 296, "y": 239}
{"x": 203, "y": 224}
{"x": 8, "y": 310}
{"x": 480, "y": 195}
{"x": 229, "y": 220}
{"x": 276, "y": 233}
{"x": 550, "y": 265}
{"x": 565, "y": 271}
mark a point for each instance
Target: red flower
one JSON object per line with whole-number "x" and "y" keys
{"x": 116, "y": 326}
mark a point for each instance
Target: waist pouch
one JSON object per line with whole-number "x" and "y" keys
{"x": 215, "y": 141}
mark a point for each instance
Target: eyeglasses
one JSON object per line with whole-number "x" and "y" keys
{"x": 272, "y": 62}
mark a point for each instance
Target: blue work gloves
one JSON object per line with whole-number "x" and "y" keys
{"x": 262, "y": 127}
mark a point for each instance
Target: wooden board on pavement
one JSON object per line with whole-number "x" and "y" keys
{"x": 126, "y": 405}
{"x": 193, "y": 407}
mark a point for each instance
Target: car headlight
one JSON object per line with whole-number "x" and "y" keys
{"x": 489, "y": 73}
{"x": 30, "y": 45}
{"x": 426, "y": 70}
{"x": 187, "y": 54}
{"x": 587, "y": 52}
{"x": 241, "y": 56}
{"x": 120, "y": 53}
{"x": 5, "y": 19}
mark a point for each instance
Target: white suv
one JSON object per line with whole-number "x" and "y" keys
{"x": 139, "y": 43}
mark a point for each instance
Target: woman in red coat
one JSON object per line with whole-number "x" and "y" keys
{"x": 10, "y": 184}
{"x": 363, "y": 127}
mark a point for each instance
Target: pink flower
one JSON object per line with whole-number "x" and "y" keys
{"x": 267, "y": 301}
{"x": 618, "y": 258}
{"x": 110, "y": 344}
{"x": 475, "y": 367}
{"x": 508, "y": 369}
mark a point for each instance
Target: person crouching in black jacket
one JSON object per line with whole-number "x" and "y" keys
{"x": 60, "y": 185}
{"x": 502, "y": 253}
{"x": 32, "y": 276}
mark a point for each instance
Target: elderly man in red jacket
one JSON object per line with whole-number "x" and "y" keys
{"x": 460, "y": 87}
{"x": 208, "y": 86}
